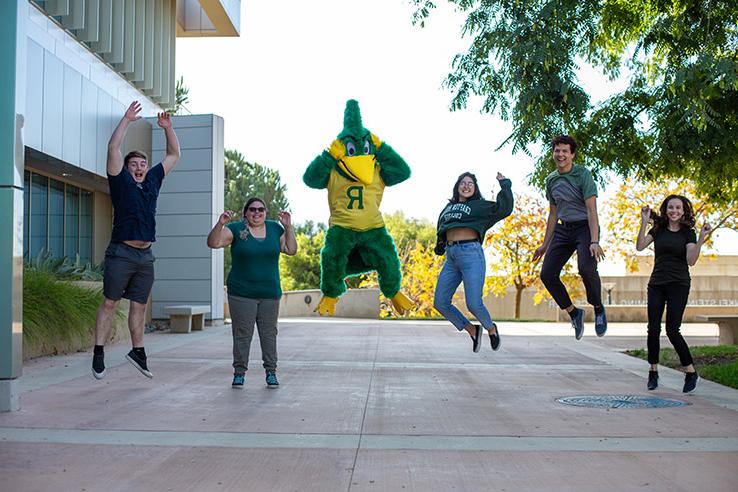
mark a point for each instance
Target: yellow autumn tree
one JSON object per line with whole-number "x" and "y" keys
{"x": 510, "y": 246}
{"x": 622, "y": 213}
{"x": 415, "y": 240}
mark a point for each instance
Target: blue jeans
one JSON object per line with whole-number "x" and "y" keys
{"x": 464, "y": 263}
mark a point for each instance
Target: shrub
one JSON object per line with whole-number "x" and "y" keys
{"x": 56, "y": 313}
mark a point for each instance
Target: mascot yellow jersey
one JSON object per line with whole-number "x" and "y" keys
{"x": 355, "y": 205}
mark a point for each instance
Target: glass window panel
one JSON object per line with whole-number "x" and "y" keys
{"x": 26, "y": 211}
{"x": 39, "y": 210}
{"x": 56, "y": 218}
{"x": 71, "y": 224}
{"x": 85, "y": 226}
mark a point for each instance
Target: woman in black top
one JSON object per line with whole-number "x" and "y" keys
{"x": 676, "y": 248}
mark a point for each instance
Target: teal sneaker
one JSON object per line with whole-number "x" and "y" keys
{"x": 271, "y": 380}
{"x": 238, "y": 380}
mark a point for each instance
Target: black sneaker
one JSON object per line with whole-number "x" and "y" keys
{"x": 690, "y": 382}
{"x": 601, "y": 324}
{"x": 653, "y": 380}
{"x": 139, "y": 363}
{"x": 98, "y": 366}
{"x": 577, "y": 322}
{"x": 477, "y": 338}
{"x": 271, "y": 380}
{"x": 494, "y": 338}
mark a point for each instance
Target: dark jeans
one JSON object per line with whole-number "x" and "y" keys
{"x": 674, "y": 297}
{"x": 565, "y": 241}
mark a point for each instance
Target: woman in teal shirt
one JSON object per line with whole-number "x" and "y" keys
{"x": 253, "y": 283}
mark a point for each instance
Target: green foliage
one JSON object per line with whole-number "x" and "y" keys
{"x": 302, "y": 271}
{"x": 244, "y": 180}
{"x": 181, "y": 97}
{"x": 715, "y": 363}
{"x": 678, "y": 116}
{"x": 56, "y": 312}
{"x": 408, "y": 231}
{"x": 65, "y": 268}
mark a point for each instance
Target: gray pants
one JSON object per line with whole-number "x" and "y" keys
{"x": 244, "y": 314}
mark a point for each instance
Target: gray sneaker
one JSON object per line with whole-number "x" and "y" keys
{"x": 601, "y": 324}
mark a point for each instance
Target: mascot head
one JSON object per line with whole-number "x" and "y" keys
{"x": 359, "y": 143}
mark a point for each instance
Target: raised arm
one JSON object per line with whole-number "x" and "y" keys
{"x": 115, "y": 158}
{"x": 550, "y": 226}
{"x": 170, "y": 160}
{"x": 505, "y": 201}
{"x": 644, "y": 239}
{"x": 221, "y": 236}
{"x": 317, "y": 173}
{"x": 693, "y": 249}
{"x": 392, "y": 167}
{"x": 288, "y": 242}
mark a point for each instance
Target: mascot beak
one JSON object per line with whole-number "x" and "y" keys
{"x": 359, "y": 168}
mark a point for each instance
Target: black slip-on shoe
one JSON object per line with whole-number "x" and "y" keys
{"x": 139, "y": 363}
{"x": 494, "y": 338}
{"x": 476, "y": 338}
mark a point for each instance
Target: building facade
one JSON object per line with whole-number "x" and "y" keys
{"x": 71, "y": 68}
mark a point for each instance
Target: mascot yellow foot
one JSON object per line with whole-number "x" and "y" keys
{"x": 401, "y": 303}
{"x": 327, "y": 306}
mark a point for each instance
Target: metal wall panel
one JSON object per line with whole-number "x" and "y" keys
{"x": 88, "y": 127}
{"x": 129, "y": 37}
{"x": 33, "y": 127}
{"x": 75, "y": 19}
{"x": 117, "y": 38}
{"x": 139, "y": 52}
{"x": 52, "y": 105}
{"x": 91, "y": 30}
{"x": 105, "y": 25}
{"x": 72, "y": 115}
{"x": 104, "y": 118}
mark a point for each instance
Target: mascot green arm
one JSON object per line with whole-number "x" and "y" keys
{"x": 392, "y": 167}
{"x": 317, "y": 173}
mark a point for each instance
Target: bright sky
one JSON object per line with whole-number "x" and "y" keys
{"x": 283, "y": 84}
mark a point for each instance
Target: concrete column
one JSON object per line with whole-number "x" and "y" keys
{"x": 11, "y": 205}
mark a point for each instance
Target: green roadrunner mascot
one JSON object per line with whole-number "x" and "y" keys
{"x": 355, "y": 169}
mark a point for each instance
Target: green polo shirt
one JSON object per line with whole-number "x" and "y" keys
{"x": 255, "y": 262}
{"x": 568, "y": 192}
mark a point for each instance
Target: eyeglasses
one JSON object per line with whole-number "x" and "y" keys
{"x": 256, "y": 209}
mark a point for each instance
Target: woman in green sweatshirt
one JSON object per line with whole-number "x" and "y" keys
{"x": 460, "y": 232}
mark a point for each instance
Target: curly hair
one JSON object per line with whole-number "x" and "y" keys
{"x": 661, "y": 220}
{"x": 455, "y": 196}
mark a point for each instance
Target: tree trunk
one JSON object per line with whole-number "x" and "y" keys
{"x": 518, "y": 295}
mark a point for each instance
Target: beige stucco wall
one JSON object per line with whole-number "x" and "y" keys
{"x": 102, "y": 225}
{"x": 355, "y": 303}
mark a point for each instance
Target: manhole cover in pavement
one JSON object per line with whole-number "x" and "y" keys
{"x": 620, "y": 401}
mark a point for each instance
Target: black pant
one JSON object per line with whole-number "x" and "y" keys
{"x": 565, "y": 241}
{"x": 674, "y": 296}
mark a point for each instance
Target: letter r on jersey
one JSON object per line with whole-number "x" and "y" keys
{"x": 355, "y": 193}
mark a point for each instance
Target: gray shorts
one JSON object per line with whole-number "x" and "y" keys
{"x": 128, "y": 273}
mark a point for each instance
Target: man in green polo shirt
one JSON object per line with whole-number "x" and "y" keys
{"x": 572, "y": 225}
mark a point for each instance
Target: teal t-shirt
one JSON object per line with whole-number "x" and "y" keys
{"x": 569, "y": 191}
{"x": 255, "y": 262}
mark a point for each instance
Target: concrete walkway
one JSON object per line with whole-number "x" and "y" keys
{"x": 370, "y": 406}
